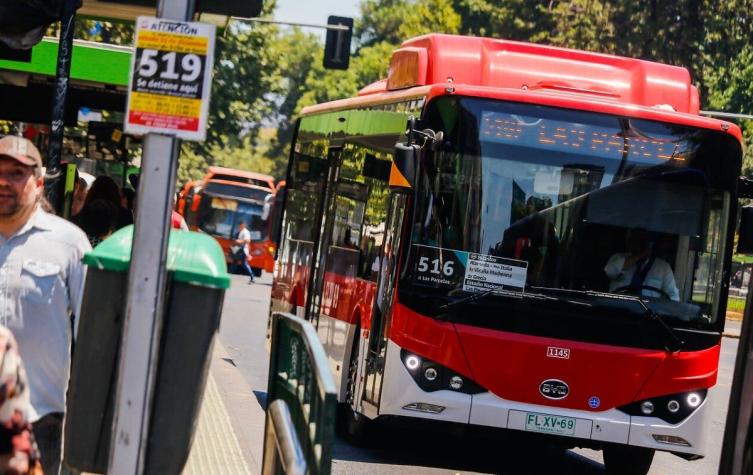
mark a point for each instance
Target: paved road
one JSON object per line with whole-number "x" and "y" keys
{"x": 402, "y": 450}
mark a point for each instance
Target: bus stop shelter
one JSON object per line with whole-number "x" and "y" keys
{"x": 98, "y": 80}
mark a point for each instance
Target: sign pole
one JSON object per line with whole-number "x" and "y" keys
{"x": 146, "y": 290}
{"x": 54, "y": 174}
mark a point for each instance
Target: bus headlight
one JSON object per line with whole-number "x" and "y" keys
{"x": 412, "y": 362}
{"x": 431, "y": 376}
{"x": 694, "y": 399}
{"x": 672, "y": 408}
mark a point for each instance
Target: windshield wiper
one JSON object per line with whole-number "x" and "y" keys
{"x": 493, "y": 290}
{"x": 442, "y": 309}
{"x": 674, "y": 344}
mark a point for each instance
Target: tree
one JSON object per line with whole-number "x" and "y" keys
{"x": 520, "y": 20}
{"x": 297, "y": 54}
{"x": 244, "y": 83}
{"x": 394, "y": 21}
{"x": 582, "y": 24}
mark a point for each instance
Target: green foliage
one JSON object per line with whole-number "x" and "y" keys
{"x": 193, "y": 165}
{"x": 245, "y": 76}
{"x": 736, "y": 304}
{"x": 394, "y": 21}
{"x": 297, "y": 53}
{"x": 582, "y": 24}
{"x": 521, "y": 20}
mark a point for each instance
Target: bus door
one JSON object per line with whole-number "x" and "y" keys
{"x": 322, "y": 238}
{"x": 380, "y": 320}
{"x": 338, "y": 280}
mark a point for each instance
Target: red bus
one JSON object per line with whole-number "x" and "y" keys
{"x": 224, "y": 198}
{"x": 544, "y": 250}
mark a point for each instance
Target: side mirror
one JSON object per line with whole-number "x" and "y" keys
{"x": 268, "y": 203}
{"x": 745, "y": 239}
{"x": 404, "y": 166}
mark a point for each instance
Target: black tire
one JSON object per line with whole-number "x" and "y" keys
{"x": 627, "y": 460}
{"x": 355, "y": 425}
{"x": 257, "y": 271}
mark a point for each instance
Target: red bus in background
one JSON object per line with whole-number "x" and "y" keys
{"x": 225, "y": 197}
{"x": 477, "y": 271}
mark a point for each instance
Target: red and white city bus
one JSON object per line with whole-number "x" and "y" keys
{"x": 225, "y": 197}
{"x": 545, "y": 250}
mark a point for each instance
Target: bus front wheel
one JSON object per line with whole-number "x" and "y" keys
{"x": 355, "y": 424}
{"x": 627, "y": 460}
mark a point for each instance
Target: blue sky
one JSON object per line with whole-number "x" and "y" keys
{"x": 315, "y": 11}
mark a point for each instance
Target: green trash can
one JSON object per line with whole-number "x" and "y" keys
{"x": 197, "y": 279}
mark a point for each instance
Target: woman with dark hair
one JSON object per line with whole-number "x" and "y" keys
{"x": 98, "y": 220}
{"x": 105, "y": 188}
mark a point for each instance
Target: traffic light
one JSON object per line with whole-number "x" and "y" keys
{"x": 337, "y": 47}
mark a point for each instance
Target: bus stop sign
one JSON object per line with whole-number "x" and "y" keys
{"x": 170, "y": 78}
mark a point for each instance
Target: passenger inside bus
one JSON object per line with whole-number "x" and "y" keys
{"x": 638, "y": 271}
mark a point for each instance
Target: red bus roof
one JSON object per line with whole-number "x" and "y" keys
{"x": 438, "y": 64}
{"x": 442, "y": 59}
{"x": 249, "y": 178}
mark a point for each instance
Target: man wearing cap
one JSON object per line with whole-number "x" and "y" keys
{"x": 41, "y": 284}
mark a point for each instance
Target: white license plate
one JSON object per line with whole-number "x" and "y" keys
{"x": 550, "y": 424}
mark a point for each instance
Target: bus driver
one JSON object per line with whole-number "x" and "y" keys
{"x": 638, "y": 271}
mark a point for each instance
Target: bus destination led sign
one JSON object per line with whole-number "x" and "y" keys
{"x": 574, "y": 138}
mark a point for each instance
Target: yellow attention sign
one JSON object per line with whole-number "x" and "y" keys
{"x": 171, "y": 42}
{"x": 169, "y": 90}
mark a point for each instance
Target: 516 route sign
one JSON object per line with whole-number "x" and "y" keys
{"x": 170, "y": 78}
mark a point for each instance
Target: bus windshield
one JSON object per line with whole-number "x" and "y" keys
{"x": 220, "y": 217}
{"x": 575, "y": 205}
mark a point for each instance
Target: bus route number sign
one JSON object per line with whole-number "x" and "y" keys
{"x": 473, "y": 272}
{"x": 170, "y": 78}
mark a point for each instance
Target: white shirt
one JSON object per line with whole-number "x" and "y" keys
{"x": 245, "y": 236}
{"x": 659, "y": 276}
{"x": 41, "y": 285}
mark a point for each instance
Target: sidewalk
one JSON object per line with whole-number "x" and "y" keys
{"x": 732, "y": 328}
{"x": 221, "y": 444}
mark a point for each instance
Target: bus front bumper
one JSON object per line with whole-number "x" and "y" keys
{"x": 401, "y": 396}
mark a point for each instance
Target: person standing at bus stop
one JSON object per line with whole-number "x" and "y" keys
{"x": 41, "y": 284}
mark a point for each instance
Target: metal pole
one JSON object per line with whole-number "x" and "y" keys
{"x": 54, "y": 175}
{"x": 740, "y": 410}
{"x": 147, "y": 281}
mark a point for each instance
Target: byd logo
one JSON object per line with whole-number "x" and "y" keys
{"x": 554, "y": 389}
